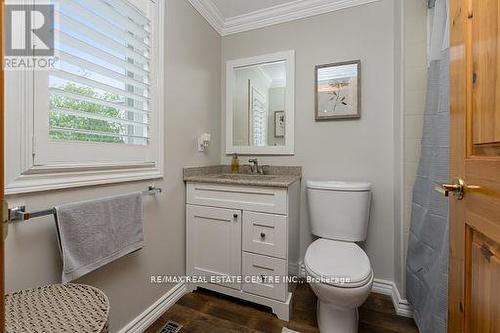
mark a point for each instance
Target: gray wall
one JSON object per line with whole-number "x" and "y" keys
{"x": 193, "y": 53}
{"x": 359, "y": 150}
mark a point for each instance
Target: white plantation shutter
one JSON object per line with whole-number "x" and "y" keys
{"x": 99, "y": 90}
{"x": 101, "y": 103}
{"x": 259, "y": 118}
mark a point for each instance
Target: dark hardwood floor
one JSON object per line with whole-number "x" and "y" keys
{"x": 205, "y": 312}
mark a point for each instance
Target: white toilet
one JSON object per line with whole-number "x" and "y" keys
{"x": 339, "y": 271}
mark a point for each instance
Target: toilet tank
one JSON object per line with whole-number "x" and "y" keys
{"x": 339, "y": 210}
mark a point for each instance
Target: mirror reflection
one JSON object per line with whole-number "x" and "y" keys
{"x": 259, "y": 105}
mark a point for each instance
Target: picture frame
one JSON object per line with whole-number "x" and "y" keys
{"x": 279, "y": 124}
{"x": 338, "y": 91}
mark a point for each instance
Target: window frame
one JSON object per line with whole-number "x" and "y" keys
{"x": 22, "y": 175}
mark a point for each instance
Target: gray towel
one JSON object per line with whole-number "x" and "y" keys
{"x": 96, "y": 232}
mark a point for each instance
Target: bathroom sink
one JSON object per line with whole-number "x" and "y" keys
{"x": 247, "y": 177}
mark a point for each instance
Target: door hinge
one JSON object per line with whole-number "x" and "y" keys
{"x": 5, "y": 219}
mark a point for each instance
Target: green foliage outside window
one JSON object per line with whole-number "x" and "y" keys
{"x": 61, "y": 120}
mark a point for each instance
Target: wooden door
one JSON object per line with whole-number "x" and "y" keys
{"x": 474, "y": 280}
{"x": 214, "y": 244}
{"x": 2, "y": 199}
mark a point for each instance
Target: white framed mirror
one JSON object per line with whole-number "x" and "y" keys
{"x": 260, "y": 95}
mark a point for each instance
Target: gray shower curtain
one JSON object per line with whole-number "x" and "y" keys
{"x": 427, "y": 259}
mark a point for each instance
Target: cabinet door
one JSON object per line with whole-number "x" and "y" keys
{"x": 214, "y": 244}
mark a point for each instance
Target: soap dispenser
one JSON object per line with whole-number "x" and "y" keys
{"x": 235, "y": 164}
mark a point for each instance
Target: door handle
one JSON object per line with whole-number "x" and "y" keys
{"x": 457, "y": 188}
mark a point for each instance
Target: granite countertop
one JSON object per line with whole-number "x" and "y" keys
{"x": 276, "y": 176}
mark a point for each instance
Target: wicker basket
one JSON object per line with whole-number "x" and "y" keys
{"x": 57, "y": 308}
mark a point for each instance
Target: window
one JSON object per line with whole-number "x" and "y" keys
{"x": 259, "y": 117}
{"x": 99, "y": 91}
{"x": 99, "y": 110}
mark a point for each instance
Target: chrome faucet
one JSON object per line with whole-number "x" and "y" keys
{"x": 254, "y": 165}
{"x": 255, "y": 168}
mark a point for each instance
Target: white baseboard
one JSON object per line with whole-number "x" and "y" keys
{"x": 385, "y": 287}
{"x": 151, "y": 314}
{"x": 401, "y": 305}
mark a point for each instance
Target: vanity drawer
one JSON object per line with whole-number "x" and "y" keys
{"x": 265, "y": 234}
{"x": 261, "y": 199}
{"x": 264, "y": 276}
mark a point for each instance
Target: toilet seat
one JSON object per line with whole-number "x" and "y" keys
{"x": 331, "y": 262}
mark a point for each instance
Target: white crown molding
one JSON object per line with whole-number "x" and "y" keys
{"x": 211, "y": 13}
{"x": 291, "y": 11}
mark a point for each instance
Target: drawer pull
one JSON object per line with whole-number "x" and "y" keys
{"x": 262, "y": 235}
{"x": 263, "y": 267}
{"x": 235, "y": 216}
{"x": 263, "y": 225}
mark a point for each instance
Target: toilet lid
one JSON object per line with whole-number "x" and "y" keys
{"x": 338, "y": 186}
{"x": 338, "y": 263}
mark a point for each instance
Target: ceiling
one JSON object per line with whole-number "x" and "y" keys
{"x": 233, "y": 16}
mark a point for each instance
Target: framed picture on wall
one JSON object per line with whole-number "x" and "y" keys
{"x": 338, "y": 91}
{"x": 279, "y": 124}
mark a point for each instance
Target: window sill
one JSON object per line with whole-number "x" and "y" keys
{"x": 29, "y": 183}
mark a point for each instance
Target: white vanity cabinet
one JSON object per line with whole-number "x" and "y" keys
{"x": 244, "y": 231}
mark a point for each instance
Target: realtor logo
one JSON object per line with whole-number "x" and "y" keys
{"x": 29, "y": 36}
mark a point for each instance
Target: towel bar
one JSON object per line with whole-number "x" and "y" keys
{"x": 19, "y": 214}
